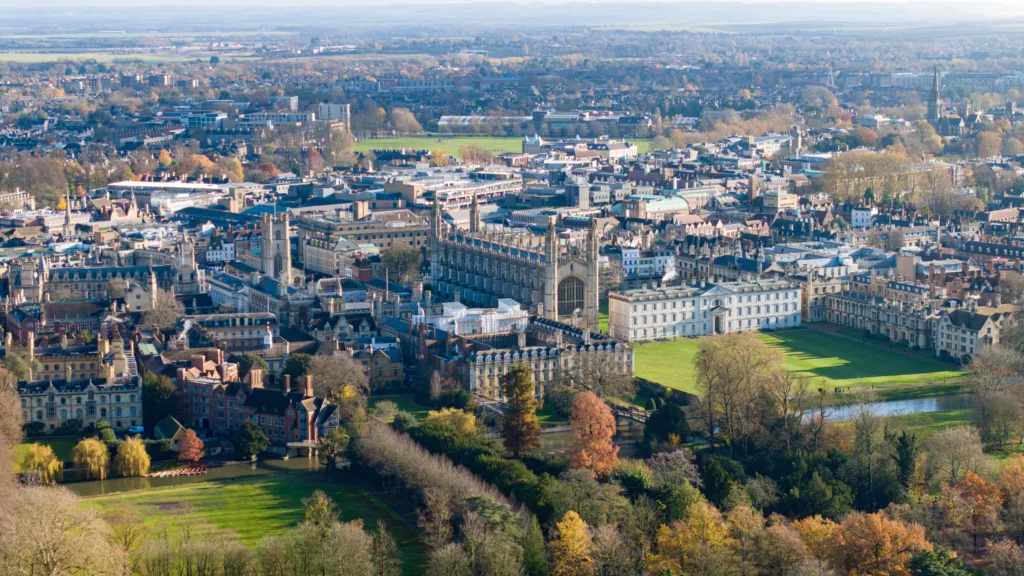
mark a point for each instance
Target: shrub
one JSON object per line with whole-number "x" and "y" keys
{"x": 386, "y": 410}
{"x": 560, "y": 398}
{"x": 33, "y": 429}
{"x": 160, "y": 449}
{"x": 105, "y": 432}
{"x": 403, "y": 421}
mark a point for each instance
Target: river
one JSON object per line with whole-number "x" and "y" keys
{"x": 903, "y": 407}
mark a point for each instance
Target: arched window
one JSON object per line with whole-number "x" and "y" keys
{"x": 571, "y": 296}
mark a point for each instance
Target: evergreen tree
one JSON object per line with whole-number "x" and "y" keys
{"x": 520, "y": 428}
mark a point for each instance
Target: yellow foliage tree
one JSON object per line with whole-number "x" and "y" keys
{"x": 132, "y": 458}
{"x": 463, "y": 422}
{"x": 92, "y": 459}
{"x": 164, "y": 158}
{"x": 693, "y": 545}
{"x": 231, "y": 168}
{"x": 818, "y": 534}
{"x": 40, "y": 459}
{"x": 1011, "y": 478}
{"x": 876, "y": 545}
{"x": 572, "y": 549}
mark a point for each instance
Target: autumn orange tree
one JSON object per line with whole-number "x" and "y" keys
{"x": 973, "y": 505}
{"x": 520, "y": 427}
{"x": 572, "y": 549}
{"x": 877, "y": 545}
{"x": 190, "y": 448}
{"x": 593, "y": 427}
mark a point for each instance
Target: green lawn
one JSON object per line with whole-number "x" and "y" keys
{"x": 828, "y": 360}
{"x": 452, "y": 145}
{"x": 602, "y": 318}
{"x": 61, "y": 448}
{"x": 448, "y": 145}
{"x": 405, "y": 403}
{"x": 927, "y": 424}
{"x": 251, "y": 508}
{"x": 548, "y": 415}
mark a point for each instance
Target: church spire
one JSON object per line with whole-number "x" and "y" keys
{"x": 935, "y": 98}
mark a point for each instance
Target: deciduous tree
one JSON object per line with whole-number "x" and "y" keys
{"x": 91, "y": 458}
{"x": 459, "y": 420}
{"x": 40, "y": 460}
{"x": 132, "y": 458}
{"x": 190, "y": 448}
{"x": 572, "y": 548}
{"x": 402, "y": 262}
{"x": 250, "y": 440}
{"x": 593, "y": 427}
{"x": 699, "y": 544}
{"x": 876, "y": 544}
{"x": 337, "y": 376}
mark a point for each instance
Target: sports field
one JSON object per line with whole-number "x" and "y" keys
{"x": 452, "y": 145}
{"x": 250, "y": 508}
{"x": 828, "y": 360}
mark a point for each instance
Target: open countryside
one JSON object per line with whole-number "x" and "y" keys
{"x": 829, "y": 360}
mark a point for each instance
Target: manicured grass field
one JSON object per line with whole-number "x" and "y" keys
{"x": 61, "y": 448}
{"x": 548, "y": 415}
{"x": 828, "y": 360}
{"x": 251, "y": 508}
{"x": 452, "y": 145}
{"x": 602, "y": 318}
{"x": 405, "y": 403}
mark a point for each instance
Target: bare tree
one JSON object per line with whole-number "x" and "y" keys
{"x": 731, "y": 371}
{"x": 48, "y": 532}
{"x": 165, "y": 313}
{"x": 951, "y": 453}
{"x": 604, "y": 374}
{"x": 332, "y": 374}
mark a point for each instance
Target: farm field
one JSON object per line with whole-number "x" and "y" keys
{"x": 451, "y": 145}
{"x": 829, "y": 360}
{"x": 250, "y": 508}
{"x": 106, "y": 57}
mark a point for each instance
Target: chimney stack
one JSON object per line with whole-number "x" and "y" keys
{"x": 287, "y": 384}
{"x": 309, "y": 387}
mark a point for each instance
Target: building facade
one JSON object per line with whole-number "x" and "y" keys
{"x": 552, "y": 278}
{"x": 668, "y": 312}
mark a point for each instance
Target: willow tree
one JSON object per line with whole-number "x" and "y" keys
{"x": 40, "y": 460}
{"x": 132, "y": 458}
{"x": 91, "y": 458}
